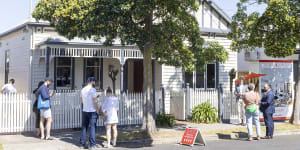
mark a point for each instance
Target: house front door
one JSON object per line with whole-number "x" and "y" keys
{"x": 138, "y": 76}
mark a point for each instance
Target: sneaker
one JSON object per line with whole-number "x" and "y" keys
{"x": 114, "y": 143}
{"x": 258, "y": 138}
{"x": 49, "y": 138}
{"x": 109, "y": 146}
{"x": 81, "y": 147}
{"x": 93, "y": 148}
{"x": 250, "y": 138}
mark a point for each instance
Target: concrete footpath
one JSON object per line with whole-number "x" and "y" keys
{"x": 69, "y": 140}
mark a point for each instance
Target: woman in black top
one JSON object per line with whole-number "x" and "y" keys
{"x": 35, "y": 110}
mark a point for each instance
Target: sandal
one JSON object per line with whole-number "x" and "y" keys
{"x": 49, "y": 138}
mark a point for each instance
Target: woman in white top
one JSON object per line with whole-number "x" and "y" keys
{"x": 110, "y": 108}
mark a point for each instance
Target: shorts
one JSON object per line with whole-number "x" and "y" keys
{"x": 45, "y": 113}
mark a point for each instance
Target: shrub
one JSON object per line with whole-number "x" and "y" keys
{"x": 165, "y": 120}
{"x": 204, "y": 113}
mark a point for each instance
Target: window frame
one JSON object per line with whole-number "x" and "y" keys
{"x": 194, "y": 78}
{"x": 215, "y": 66}
{"x": 99, "y": 69}
{"x": 63, "y": 66}
{"x": 6, "y": 65}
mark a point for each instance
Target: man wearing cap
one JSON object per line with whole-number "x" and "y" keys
{"x": 88, "y": 97}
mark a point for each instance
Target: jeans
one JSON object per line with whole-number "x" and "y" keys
{"x": 89, "y": 118}
{"x": 268, "y": 117}
{"x": 255, "y": 118}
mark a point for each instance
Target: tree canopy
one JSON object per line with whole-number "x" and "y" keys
{"x": 165, "y": 30}
{"x": 276, "y": 29}
{"x": 174, "y": 30}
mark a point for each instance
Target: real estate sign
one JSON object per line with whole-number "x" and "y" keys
{"x": 279, "y": 73}
{"x": 191, "y": 137}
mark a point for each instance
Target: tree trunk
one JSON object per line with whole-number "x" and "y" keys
{"x": 148, "y": 118}
{"x": 295, "y": 118}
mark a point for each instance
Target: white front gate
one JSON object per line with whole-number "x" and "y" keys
{"x": 178, "y": 104}
{"x": 183, "y": 101}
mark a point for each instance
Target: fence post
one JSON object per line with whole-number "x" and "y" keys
{"x": 162, "y": 97}
{"x": 188, "y": 98}
{"x": 220, "y": 102}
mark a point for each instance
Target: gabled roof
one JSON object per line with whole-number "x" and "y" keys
{"x": 32, "y": 21}
{"x": 23, "y": 25}
{"x": 219, "y": 10}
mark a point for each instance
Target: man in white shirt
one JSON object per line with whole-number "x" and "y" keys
{"x": 9, "y": 88}
{"x": 88, "y": 97}
{"x": 240, "y": 91}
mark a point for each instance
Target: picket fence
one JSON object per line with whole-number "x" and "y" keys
{"x": 199, "y": 96}
{"x": 230, "y": 107}
{"x": 16, "y": 114}
{"x": 183, "y": 101}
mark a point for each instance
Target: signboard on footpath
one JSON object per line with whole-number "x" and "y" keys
{"x": 279, "y": 74}
{"x": 191, "y": 137}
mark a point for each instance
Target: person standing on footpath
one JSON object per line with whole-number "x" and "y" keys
{"x": 45, "y": 113}
{"x": 9, "y": 88}
{"x": 251, "y": 100}
{"x": 110, "y": 108}
{"x": 239, "y": 92}
{"x": 35, "y": 109}
{"x": 267, "y": 107}
{"x": 88, "y": 97}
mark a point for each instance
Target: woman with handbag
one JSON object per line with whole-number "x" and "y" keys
{"x": 110, "y": 108}
{"x": 251, "y": 100}
{"x": 45, "y": 108}
{"x": 35, "y": 110}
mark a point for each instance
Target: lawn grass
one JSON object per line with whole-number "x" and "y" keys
{"x": 141, "y": 135}
{"x": 1, "y": 146}
{"x": 278, "y": 127}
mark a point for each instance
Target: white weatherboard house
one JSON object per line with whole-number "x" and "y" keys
{"x": 33, "y": 50}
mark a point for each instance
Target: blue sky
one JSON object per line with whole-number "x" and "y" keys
{"x": 13, "y": 12}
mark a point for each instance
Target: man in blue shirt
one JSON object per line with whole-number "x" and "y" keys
{"x": 267, "y": 107}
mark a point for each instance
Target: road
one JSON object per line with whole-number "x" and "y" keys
{"x": 70, "y": 142}
{"x": 291, "y": 142}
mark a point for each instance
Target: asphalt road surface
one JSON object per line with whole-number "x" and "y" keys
{"x": 291, "y": 142}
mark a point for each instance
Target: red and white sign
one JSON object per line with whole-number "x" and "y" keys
{"x": 191, "y": 136}
{"x": 279, "y": 73}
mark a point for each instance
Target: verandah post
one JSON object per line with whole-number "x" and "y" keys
{"x": 162, "y": 98}
{"x": 188, "y": 98}
{"x": 122, "y": 62}
{"x": 220, "y": 102}
{"x": 47, "y": 61}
